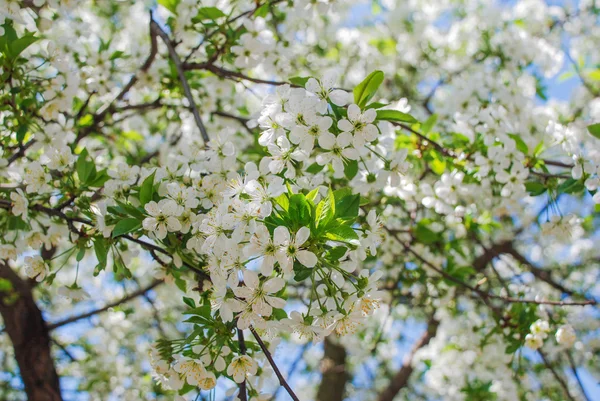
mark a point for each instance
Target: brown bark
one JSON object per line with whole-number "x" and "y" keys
{"x": 400, "y": 379}
{"x": 28, "y": 332}
{"x": 334, "y": 379}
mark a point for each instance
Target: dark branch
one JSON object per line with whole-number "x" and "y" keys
{"x": 181, "y": 73}
{"x": 400, "y": 379}
{"x": 133, "y": 295}
{"x": 282, "y": 380}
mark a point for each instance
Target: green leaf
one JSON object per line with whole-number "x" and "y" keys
{"x": 80, "y": 254}
{"x": 314, "y": 168}
{"x": 99, "y": 179}
{"x": 425, "y": 235}
{"x": 302, "y": 274}
{"x": 342, "y": 233}
{"x": 16, "y": 223}
{"x": 337, "y": 252}
{"x": 279, "y": 314}
{"x": 283, "y": 201}
{"x": 211, "y": 13}
{"x": 570, "y": 186}
{"x": 521, "y": 145}
{"x": 21, "y": 132}
{"x": 101, "y": 251}
{"x": 299, "y": 81}
{"x": 395, "y": 115}
{"x": 16, "y": 47}
{"x": 189, "y": 302}
{"x": 126, "y": 226}
{"x": 346, "y": 207}
{"x": 594, "y": 129}
{"x": 147, "y": 189}
{"x": 325, "y": 210}
{"x": 376, "y": 105}
{"x": 367, "y": 88}
{"x": 170, "y": 5}
{"x": 312, "y": 195}
{"x": 535, "y": 188}
{"x": 351, "y": 169}
{"x": 429, "y": 124}
{"x": 299, "y": 210}
{"x": 438, "y": 166}
{"x": 5, "y": 285}
{"x": 86, "y": 170}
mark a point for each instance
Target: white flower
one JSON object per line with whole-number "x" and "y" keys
{"x": 540, "y": 328}
{"x": 398, "y": 166}
{"x": 262, "y": 195}
{"x": 8, "y": 251}
{"x": 124, "y": 173}
{"x": 163, "y": 217}
{"x": 360, "y": 125}
{"x": 565, "y": 335}
{"x": 19, "y": 203}
{"x": 534, "y": 341}
{"x": 324, "y": 89}
{"x": 304, "y": 330}
{"x": 59, "y": 157}
{"x": 35, "y": 267}
{"x": 36, "y": 178}
{"x": 262, "y": 246}
{"x": 513, "y": 181}
{"x": 305, "y": 135}
{"x": 291, "y": 248}
{"x": 257, "y": 295}
{"x": 374, "y": 235}
{"x": 225, "y": 306}
{"x": 338, "y": 149}
{"x": 208, "y": 381}
{"x": 193, "y": 371}
{"x": 182, "y": 195}
{"x": 282, "y": 156}
{"x": 241, "y": 367}
{"x": 74, "y": 293}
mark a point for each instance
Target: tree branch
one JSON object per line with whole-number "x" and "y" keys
{"x": 133, "y": 295}
{"x": 243, "y": 395}
{"x": 558, "y": 378}
{"x": 154, "y": 27}
{"x": 265, "y": 350}
{"x": 400, "y": 379}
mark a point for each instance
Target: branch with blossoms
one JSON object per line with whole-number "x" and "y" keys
{"x": 291, "y": 221}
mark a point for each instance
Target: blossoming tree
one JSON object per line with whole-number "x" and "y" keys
{"x": 309, "y": 200}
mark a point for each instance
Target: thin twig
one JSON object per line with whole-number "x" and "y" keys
{"x": 282, "y": 380}
{"x": 127, "y": 298}
{"x": 182, "y": 78}
{"x": 576, "y": 374}
{"x": 558, "y": 378}
{"x": 243, "y": 395}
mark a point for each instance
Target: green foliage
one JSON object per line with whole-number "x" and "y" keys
{"x": 126, "y": 226}
{"x": 332, "y": 218}
{"x": 395, "y": 116}
{"x": 299, "y": 81}
{"x": 594, "y": 130}
{"x": 170, "y": 5}
{"x": 367, "y": 88}
{"x": 147, "y": 189}
{"x": 210, "y": 13}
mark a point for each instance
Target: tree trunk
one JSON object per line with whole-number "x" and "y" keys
{"x": 27, "y": 330}
{"x": 334, "y": 380}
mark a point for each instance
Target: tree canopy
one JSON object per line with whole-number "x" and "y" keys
{"x": 308, "y": 200}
